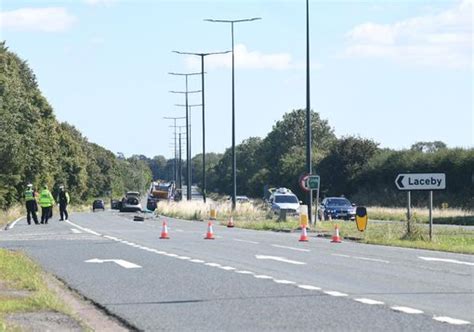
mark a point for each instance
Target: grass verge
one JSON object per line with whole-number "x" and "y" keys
{"x": 450, "y": 239}
{"x": 18, "y": 272}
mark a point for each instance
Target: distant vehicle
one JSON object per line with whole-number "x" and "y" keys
{"x": 162, "y": 190}
{"x": 131, "y": 202}
{"x": 242, "y": 199}
{"x": 98, "y": 204}
{"x": 115, "y": 204}
{"x": 336, "y": 208}
{"x": 284, "y": 199}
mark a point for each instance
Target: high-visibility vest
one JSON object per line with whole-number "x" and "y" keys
{"x": 29, "y": 195}
{"x": 46, "y": 199}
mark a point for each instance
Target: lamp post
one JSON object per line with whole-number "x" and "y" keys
{"x": 202, "y": 55}
{"x": 234, "y": 170}
{"x": 309, "y": 167}
{"x": 175, "y": 152}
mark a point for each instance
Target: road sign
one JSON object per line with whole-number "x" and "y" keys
{"x": 313, "y": 182}
{"x": 309, "y": 182}
{"x": 421, "y": 181}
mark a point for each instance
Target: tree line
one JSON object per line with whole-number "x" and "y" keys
{"x": 352, "y": 166}
{"x": 36, "y": 148}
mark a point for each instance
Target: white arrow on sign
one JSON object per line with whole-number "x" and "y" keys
{"x": 120, "y": 262}
{"x": 421, "y": 181}
{"x": 279, "y": 259}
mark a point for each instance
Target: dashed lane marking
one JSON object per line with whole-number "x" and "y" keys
{"x": 262, "y": 276}
{"x": 335, "y": 293}
{"x": 407, "y": 310}
{"x": 445, "y": 260}
{"x": 291, "y": 248}
{"x": 450, "y": 320}
{"x": 279, "y": 259}
{"x": 309, "y": 287}
{"x": 284, "y": 282}
{"x": 246, "y": 241}
{"x": 368, "y": 301}
{"x": 372, "y": 259}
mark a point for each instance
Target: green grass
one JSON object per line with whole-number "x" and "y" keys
{"x": 19, "y": 272}
{"x": 458, "y": 240}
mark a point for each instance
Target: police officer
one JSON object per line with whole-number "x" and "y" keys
{"x": 46, "y": 201}
{"x": 63, "y": 199}
{"x": 31, "y": 207}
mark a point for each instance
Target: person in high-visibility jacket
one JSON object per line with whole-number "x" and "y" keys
{"x": 46, "y": 201}
{"x": 63, "y": 199}
{"x": 31, "y": 206}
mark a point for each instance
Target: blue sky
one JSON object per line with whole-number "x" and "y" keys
{"x": 396, "y": 72}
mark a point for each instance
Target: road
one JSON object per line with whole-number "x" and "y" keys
{"x": 248, "y": 280}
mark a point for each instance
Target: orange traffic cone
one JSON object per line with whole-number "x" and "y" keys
{"x": 210, "y": 233}
{"x": 230, "y": 224}
{"x": 164, "y": 231}
{"x": 336, "y": 238}
{"x": 304, "y": 235}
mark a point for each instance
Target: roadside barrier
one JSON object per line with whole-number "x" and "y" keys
{"x": 164, "y": 231}
{"x": 336, "y": 238}
{"x": 210, "y": 233}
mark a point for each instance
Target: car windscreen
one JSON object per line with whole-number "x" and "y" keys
{"x": 286, "y": 199}
{"x": 338, "y": 202}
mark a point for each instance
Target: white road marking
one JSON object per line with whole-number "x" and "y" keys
{"x": 244, "y": 272}
{"x": 184, "y": 258}
{"x": 262, "y": 276}
{"x": 309, "y": 287}
{"x": 371, "y": 259}
{"x": 279, "y": 259}
{"x": 170, "y": 255}
{"x": 368, "y": 301}
{"x": 213, "y": 264}
{"x": 284, "y": 282}
{"x": 291, "y": 248}
{"x": 335, "y": 293}
{"x": 445, "y": 260}
{"x": 407, "y": 310}
{"x": 83, "y": 229}
{"x": 197, "y": 261}
{"x": 227, "y": 268}
{"x": 112, "y": 238}
{"x": 246, "y": 241}
{"x": 76, "y": 231}
{"x": 341, "y": 255}
{"x": 450, "y": 320}
{"x": 10, "y": 226}
{"x": 121, "y": 262}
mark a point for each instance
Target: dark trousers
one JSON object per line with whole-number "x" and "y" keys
{"x": 45, "y": 214}
{"x": 63, "y": 211}
{"x": 31, "y": 208}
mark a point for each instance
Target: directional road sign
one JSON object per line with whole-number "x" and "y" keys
{"x": 421, "y": 181}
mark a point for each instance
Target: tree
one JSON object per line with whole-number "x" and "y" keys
{"x": 428, "y": 147}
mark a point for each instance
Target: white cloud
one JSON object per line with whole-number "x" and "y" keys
{"x": 246, "y": 59}
{"x": 443, "y": 39}
{"x": 49, "y": 19}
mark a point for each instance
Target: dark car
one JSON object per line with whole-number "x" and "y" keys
{"x": 336, "y": 208}
{"x": 98, "y": 204}
{"x": 115, "y": 204}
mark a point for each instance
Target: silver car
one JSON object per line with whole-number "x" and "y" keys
{"x": 131, "y": 202}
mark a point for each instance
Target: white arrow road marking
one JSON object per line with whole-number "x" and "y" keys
{"x": 279, "y": 259}
{"x": 76, "y": 231}
{"x": 446, "y": 260}
{"x": 291, "y": 248}
{"x": 121, "y": 262}
{"x": 450, "y": 320}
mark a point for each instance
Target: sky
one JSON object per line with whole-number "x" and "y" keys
{"x": 397, "y": 72}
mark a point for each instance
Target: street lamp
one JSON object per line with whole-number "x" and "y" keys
{"x": 202, "y": 55}
{"x": 175, "y": 152}
{"x": 309, "y": 169}
{"x": 234, "y": 170}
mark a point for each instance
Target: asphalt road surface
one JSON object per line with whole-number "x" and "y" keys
{"x": 248, "y": 280}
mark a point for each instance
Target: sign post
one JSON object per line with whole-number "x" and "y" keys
{"x": 420, "y": 181}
